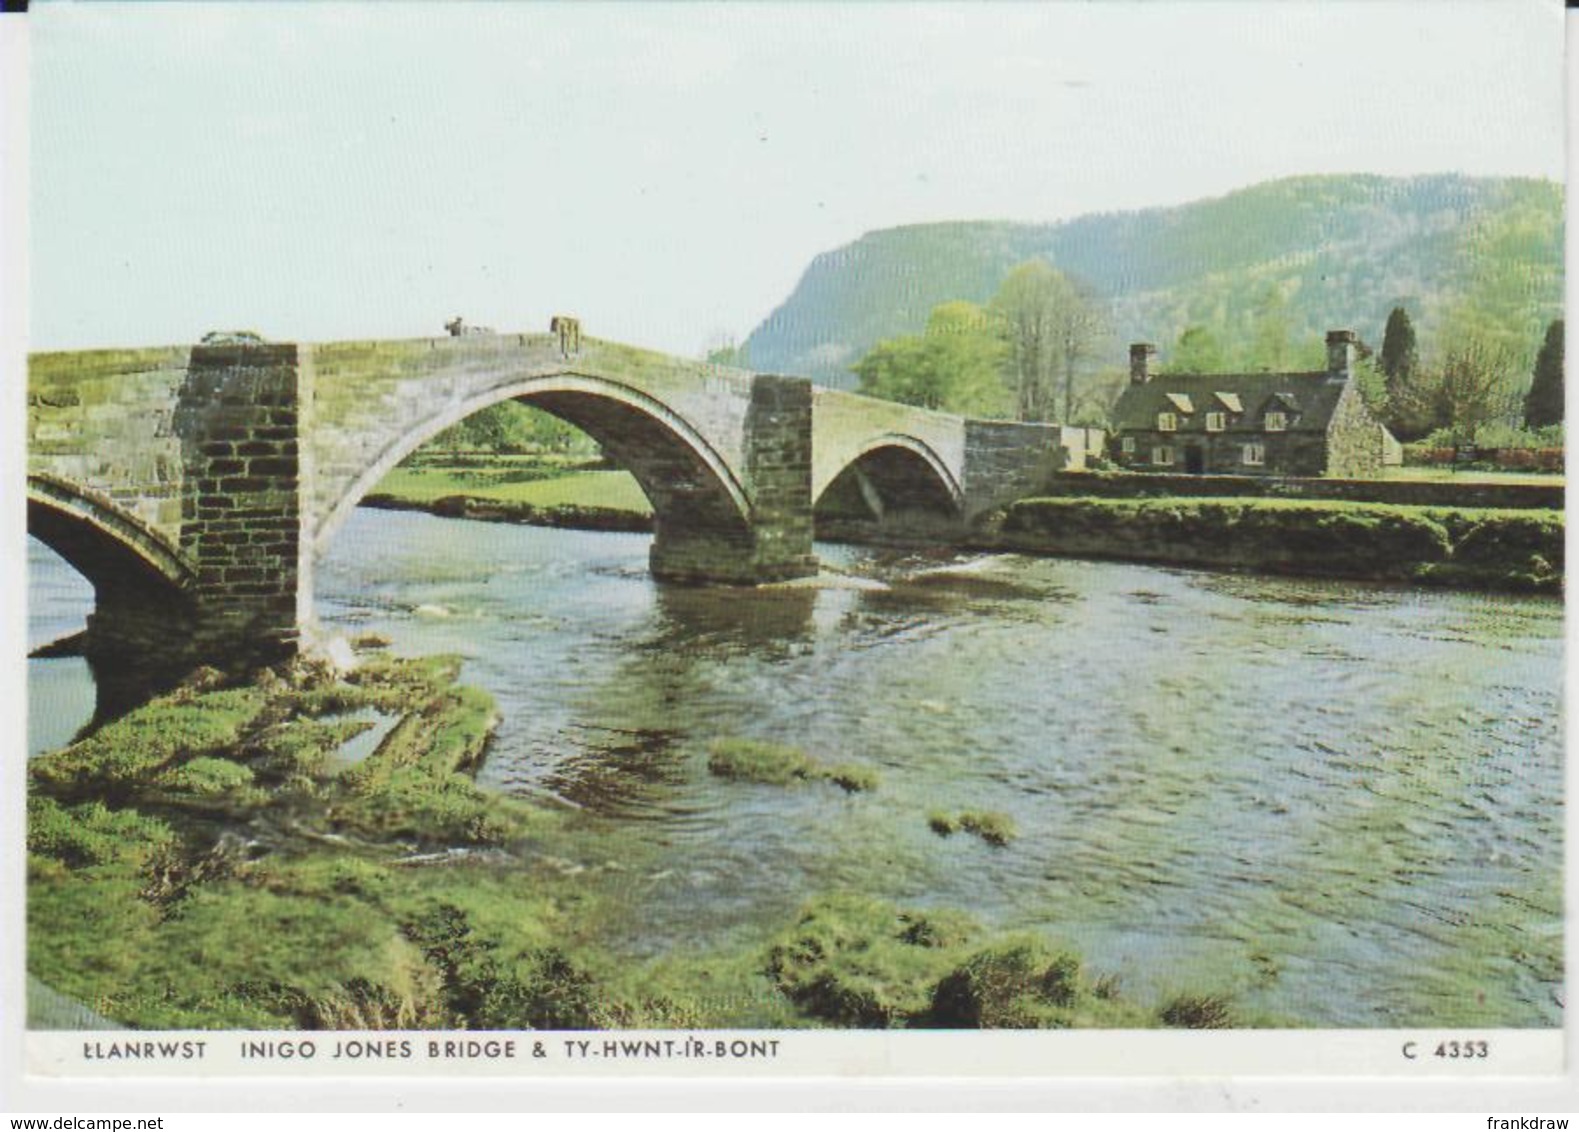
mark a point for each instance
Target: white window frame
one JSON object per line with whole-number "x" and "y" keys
{"x": 1253, "y": 455}
{"x": 1167, "y": 422}
{"x": 1162, "y": 455}
{"x": 1277, "y": 422}
{"x": 1128, "y": 445}
{"x": 1216, "y": 422}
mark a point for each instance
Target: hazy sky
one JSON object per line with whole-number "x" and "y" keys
{"x": 666, "y": 172}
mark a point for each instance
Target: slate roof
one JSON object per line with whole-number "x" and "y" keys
{"x": 1309, "y": 398}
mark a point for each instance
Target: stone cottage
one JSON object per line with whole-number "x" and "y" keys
{"x": 1252, "y": 424}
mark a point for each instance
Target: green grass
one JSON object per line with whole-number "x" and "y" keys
{"x": 615, "y": 490}
{"x": 1435, "y": 474}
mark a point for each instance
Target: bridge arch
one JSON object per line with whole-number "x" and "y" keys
{"x": 689, "y": 484}
{"x": 106, "y": 545}
{"x": 891, "y": 472}
{"x": 142, "y": 621}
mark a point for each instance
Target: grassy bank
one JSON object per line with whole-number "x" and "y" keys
{"x": 1493, "y": 549}
{"x": 216, "y": 859}
{"x": 518, "y": 489}
{"x": 525, "y": 481}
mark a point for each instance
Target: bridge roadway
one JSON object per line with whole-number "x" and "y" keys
{"x": 195, "y": 486}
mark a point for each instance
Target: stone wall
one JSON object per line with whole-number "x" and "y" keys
{"x": 1354, "y": 439}
{"x": 1296, "y": 453}
{"x": 101, "y": 420}
{"x": 1007, "y": 460}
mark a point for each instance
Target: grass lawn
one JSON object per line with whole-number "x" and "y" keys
{"x": 612, "y": 489}
{"x": 1471, "y": 475}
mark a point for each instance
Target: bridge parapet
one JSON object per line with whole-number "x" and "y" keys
{"x": 103, "y": 420}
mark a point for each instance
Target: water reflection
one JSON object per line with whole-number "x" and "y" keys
{"x": 71, "y": 695}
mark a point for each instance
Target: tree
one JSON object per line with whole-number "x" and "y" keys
{"x": 1197, "y": 351}
{"x": 1399, "y": 357}
{"x": 903, "y": 370}
{"x": 1543, "y": 404}
{"x": 1472, "y": 389}
{"x": 954, "y": 366}
{"x": 1052, "y": 325}
{"x": 1270, "y": 333}
{"x": 968, "y": 346}
{"x": 510, "y": 426}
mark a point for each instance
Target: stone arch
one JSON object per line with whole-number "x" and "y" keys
{"x": 138, "y": 635}
{"x": 103, "y": 543}
{"x": 691, "y": 487}
{"x": 893, "y": 472}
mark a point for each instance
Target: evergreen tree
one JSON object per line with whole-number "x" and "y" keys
{"x": 1400, "y": 357}
{"x": 1543, "y": 405}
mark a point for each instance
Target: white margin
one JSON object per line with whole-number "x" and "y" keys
{"x": 35, "y": 1097}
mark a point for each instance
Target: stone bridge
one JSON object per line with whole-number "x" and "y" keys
{"x": 196, "y": 486}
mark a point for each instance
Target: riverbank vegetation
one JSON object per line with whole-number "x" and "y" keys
{"x": 856, "y": 962}
{"x": 756, "y": 760}
{"x": 1482, "y": 548}
{"x": 992, "y": 827}
{"x": 217, "y": 859}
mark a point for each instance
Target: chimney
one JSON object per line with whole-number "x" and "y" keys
{"x": 1340, "y": 353}
{"x": 1141, "y": 355}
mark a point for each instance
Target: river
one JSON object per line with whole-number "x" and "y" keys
{"x": 1340, "y": 804}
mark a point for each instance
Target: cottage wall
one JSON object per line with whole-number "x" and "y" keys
{"x": 1354, "y": 439}
{"x": 1222, "y": 453}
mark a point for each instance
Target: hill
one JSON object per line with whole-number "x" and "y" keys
{"x": 1334, "y": 251}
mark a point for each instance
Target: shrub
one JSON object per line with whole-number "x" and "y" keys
{"x": 1196, "y": 1012}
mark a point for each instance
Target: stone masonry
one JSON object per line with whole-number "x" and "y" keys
{"x": 196, "y": 487}
{"x": 237, "y": 420}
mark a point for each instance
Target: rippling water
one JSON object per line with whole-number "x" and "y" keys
{"x": 1341, "y": 804}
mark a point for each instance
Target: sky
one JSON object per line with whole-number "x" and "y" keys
{"x": 667, "y": 171}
